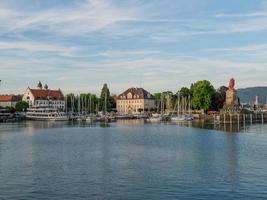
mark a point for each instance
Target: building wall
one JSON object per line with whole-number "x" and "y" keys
{"x": 52, "y": 103}
{"x": 28, "y": 97}
{"x": 8, "y": 104}
{"x": 131, "y": 106}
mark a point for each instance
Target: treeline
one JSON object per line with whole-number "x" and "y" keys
{"x": 89, "y": 102}
{"x": 202, "y": 94}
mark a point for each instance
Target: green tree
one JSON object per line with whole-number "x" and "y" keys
{"x": 10, "y": 109}
{"x": 89, "y": 101}
{"x": 157, "y": 97}
{"x": 40, "y": 85}
{"x": 46, "y": 87}
{"x": 21, "y": 106}
{"x": 220, "y": 97}
{"x": 106, "y": 102}
{"x": 170, "y": 100}
{"x": 203, "y": 94}
{"x": 185, "y": 92}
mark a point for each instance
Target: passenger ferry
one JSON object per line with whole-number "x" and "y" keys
{"x": 49, "y": 114}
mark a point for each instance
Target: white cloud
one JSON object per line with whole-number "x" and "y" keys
{"x": 240, "y": 15}
{"x": 88, "y": 17}
{"x": 35, "y": 47}
{"x": 115, "y": 54}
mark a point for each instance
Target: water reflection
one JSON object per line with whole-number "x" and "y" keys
{"x": 134, "y": 122}
{"x": 31, "y": 126}
{"x": 232, "y": 157}
{"x": 139, "y": 161}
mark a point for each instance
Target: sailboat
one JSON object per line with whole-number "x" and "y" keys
{"x": 91, "y": 118}
{"x": 178, "y": 117}
{"x": 184, "y": 112}
{"x": 81, "y": 116}
{"x": 158, "y": 117}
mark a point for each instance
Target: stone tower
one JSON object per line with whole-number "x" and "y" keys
{"x": 232, "y": 100}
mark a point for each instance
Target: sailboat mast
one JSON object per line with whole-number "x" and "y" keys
{"x": 162, "y": 104}
{"x": 79, "y": 104}
{"x": 90, "y": 104}
{"x": 178, "y": 106}
{"x": 105, "y": 103}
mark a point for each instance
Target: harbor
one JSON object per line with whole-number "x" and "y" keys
{"x": 46, "y": 104}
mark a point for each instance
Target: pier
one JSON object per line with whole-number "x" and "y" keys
{"x": 235, "y": 118}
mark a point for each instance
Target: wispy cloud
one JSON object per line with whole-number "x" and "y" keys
{"x": 35, "y": 47}
{"x": 163, "y": 44}
{"x": 116, "y": 54}
{"x": 88, "y": 17}
{"x": 240, "y": 15}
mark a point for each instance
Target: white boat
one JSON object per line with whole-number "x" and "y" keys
{"x": 183, "y": 109}
{"x": 154, "y": 118}
{"x": 182, "y": 118}
{"x": 91, "y": 119}
{"x": 47, "y": 114}
{"x": 178, "y": 118}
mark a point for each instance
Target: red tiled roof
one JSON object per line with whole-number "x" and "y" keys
{"x": 47, "y": 94}
{"x": 8, "y": 98}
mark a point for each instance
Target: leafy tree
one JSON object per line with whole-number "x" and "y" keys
{"x": 157, "y": 97}
{"x": 72, "y": 102}
{"x": 40, "y": 85}
{"x": 106, "y": 101}
{"x": 170, "y": 100}
{"x": 21, "y": 106}
{"x": 46, "y": 87}
{"x": 185, "y": 92}
{"x": 220, "y": 97}
{"x": 10, "y": 109}
{"x": 203, "y": 94}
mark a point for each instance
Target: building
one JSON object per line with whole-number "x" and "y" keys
{"x": 232, "y": 99}
{"x": 134, "y": 101}
{"x": 9, "y": 100}
{"x": 44, "y": 98}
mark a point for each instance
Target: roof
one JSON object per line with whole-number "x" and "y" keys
{"x": 45, "y": 94}
{"x": 9, "y": 98}
{"x": 135, "y": 93}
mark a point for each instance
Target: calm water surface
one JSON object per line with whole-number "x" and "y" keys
{"x": 131, "y": 160}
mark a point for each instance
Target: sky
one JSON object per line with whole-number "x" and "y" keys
{"x": 78, "y": 45}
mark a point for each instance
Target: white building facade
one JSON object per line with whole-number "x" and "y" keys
{"x": 44, "y": 98}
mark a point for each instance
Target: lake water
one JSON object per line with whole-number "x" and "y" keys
{"x": 131, "y": 160}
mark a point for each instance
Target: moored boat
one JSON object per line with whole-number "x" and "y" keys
{"x": 47, "y": 114}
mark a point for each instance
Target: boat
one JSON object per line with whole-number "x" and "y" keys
{"x": 91, "y": 118}
{"x": 158, "y": 117}
{"x": 47, "y": 114}
{"x": 184, "y": 112}
{"x": 154, "y": 118}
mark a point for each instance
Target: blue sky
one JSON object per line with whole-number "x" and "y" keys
{"x": 77, "y": 45}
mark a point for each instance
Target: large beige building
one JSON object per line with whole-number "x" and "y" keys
{"x": 134, "y": 101}
{"x": 44, "y": 98}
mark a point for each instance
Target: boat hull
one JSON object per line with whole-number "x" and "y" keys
{"x": 47, "y": 118}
